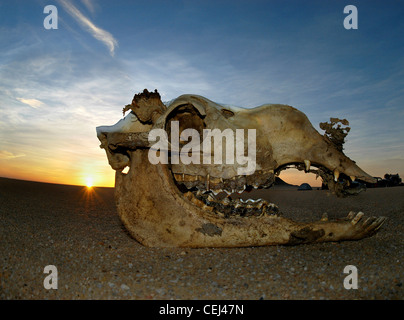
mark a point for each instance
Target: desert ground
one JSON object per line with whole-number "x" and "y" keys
{"x": 79, "y": 232}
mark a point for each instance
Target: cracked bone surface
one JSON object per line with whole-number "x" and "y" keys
{"x": 196, "y": 204}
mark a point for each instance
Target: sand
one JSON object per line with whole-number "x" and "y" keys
{"x": 80, "y": 233}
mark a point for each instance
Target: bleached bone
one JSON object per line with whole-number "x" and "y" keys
{"x": 169, "y": 204}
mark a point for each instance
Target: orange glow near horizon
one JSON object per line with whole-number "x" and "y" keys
{"x": 98, "y": 173}
{"x": 296, "y": 177}
{"x": 106, "y": 178}
{"x": 101, "y": 176}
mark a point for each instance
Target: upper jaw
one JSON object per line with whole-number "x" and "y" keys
{"x": 277, "y": 146}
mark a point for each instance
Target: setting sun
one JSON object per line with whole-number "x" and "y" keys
{"x": 89, "y": 182}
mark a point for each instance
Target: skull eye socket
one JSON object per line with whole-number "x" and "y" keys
{"x": 188, "y": 117}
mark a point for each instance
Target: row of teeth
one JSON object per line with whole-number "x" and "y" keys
{"x": 237, "y": 184}
{"x": 227, "y": 207}
{"x": 208, "y": 187}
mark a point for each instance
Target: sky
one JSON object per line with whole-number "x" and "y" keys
{"x": 58, "y": 85}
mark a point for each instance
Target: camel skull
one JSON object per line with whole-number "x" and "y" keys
{"x": 177, "y": 168}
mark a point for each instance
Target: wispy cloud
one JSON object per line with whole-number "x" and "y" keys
{"x": 34, "y": 103}
{"x": 89, "y": 5}
{"x": 100, "y": 34}
{"x": 4, "y": 155}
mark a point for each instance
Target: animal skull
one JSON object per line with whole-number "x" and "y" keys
{"x": 175, "y": 204}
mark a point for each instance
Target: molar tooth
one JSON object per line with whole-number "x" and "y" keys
{"x": 235, "y": 203}
{"x": 241, "y": 191}
{"x": 307, "y": 163}
{"x": 238, "y": 204}
{"x": 255, "y": 184}
{"x": 215, "y": 180}
{"x": 336, "y": 175}
{"x": 353, "y": 178}
{"x": 261, "y": 204}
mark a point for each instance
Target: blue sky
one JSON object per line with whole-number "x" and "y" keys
{"x": 56, "y": 86}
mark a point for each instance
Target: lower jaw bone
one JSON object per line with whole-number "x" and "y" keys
{"x": 157, "y": 214}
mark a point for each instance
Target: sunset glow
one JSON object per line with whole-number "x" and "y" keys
{"x": 89, "y": 182}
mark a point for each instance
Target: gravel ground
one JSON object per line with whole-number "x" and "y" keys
{"x": 80, "y": 233}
